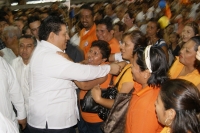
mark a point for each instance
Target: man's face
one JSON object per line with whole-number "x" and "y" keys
{"x": 34, "y": 26}
{"x": 19, "y": 24}
{"x": 26, "y": 47}
{"x": 60, "y": 39}
{"x": 103, "y": 33}
{"x": 86, "y": 18}
{"x": 108, "y": 10}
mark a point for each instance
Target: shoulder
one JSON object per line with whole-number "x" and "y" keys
{"x": 161, "y": 43}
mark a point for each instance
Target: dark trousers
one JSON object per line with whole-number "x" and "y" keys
{"x": 85, "y": 127}
{"x": 37, "y": 130}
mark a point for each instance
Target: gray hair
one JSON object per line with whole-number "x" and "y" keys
{"x": 11, "y": 31}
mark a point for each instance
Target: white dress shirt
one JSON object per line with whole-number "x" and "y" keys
{"x": 21, "y": 70}
{"x": 7, "y": 126}
{"x": 8, "y": 55}
{"x": 52, "y": 95}
{"x": 10, "y": 92}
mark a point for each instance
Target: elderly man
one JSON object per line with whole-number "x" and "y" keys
{"x": 11, "y": 94}
{"x": 52, "y": 98}
{"x": 10, "y": 37}
{"x": 26, "y": 45}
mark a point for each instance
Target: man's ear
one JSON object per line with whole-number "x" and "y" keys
{"x": 112, "y": 32}
{"x": 51, "y": 37}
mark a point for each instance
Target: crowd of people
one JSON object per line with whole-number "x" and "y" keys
{"x": 50, "y": 57}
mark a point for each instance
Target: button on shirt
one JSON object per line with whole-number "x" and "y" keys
{"x": 10, "y": 92}
{"x": 52, "y": 96}
{"x": 21, "y": 70}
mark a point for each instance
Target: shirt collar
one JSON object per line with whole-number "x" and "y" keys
{"x": 139, "y": 91}
{"x": 49, "y": 45}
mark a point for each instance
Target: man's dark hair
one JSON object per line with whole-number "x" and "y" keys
{"x": 88, "y": 7}
{"x": 29, "y": 37}
{"x": 32, "y": 19}
{"x": 48, "y": 25}
{"x": 108, "y": 22}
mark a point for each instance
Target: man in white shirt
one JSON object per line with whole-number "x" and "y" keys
{"x": 10, "y": 36}
{"x": 11, "y": 92}
{"x": 7, "y": 126}
{"x": 52, "y": 95}
{"x": 27, "y": 44}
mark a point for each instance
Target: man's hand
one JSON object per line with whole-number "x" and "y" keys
{"x": 23, "y": 122}
{"x": 115, "y": 69}
{"x": 198, "y": 54}
{"x": 64, "y": 55}
{"x": 1, "y": 54}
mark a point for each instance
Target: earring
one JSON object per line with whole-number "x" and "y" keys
{"x": 166, "y": 122}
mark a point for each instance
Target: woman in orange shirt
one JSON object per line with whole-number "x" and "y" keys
{"x": 178, "y": 107}
{"x": 149, "y": 69}
{"x": 186, "y": 65}
{"x": 131, "y": 41}
{"x": 97, "y": 55}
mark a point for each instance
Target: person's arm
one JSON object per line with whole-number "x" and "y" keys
{"x": 165, "y": 49}
{"x": 16, "y": 96}
{"x": 198, "y": 54}
{"x": 126, "y": 87}
{"x": 87, "y": 85}
{"x": 111, "y": 58}
{"x": 96, "y": 95}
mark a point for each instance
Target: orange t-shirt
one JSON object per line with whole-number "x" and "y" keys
{"x": 141, "y": 115}
{"x": 87, "y": 39}
{"x": 93, "y": 117}
{"x": 114, "y": 45}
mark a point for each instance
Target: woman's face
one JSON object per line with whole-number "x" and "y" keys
{"x": 187, "y": 33}
{"x": 151, "y": 29}
{"x": 160, "y": 110}
{"x": 137, "y": 73}
{"x": 173, "y": 38}
{"x": 187, "y": 53}
{"x": 127, "y": 48}
{"x": 94, "y": 56}
{"x": 127, "y": 20}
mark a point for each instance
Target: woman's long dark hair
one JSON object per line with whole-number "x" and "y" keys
{"x": 184, "y": 98}
{"x": 159, "y": 65}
